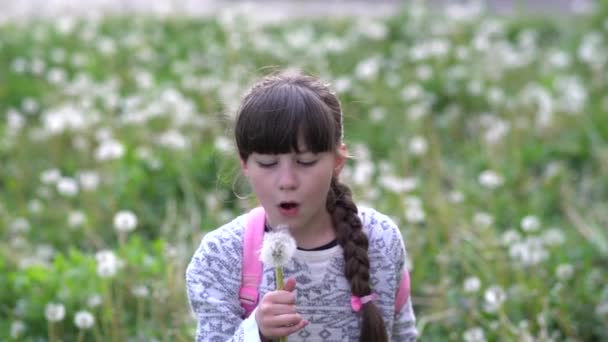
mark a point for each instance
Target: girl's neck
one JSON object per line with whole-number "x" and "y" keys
{"x": 316, "y": 233}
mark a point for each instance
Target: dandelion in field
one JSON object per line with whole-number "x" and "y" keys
{"x": 414, "y": 212}
{"x": 398, "y": 185}
{"x": 490, "y": 179}
{"x": 54, "y": 312}
{"x": 125, "y": 221}
{"x": 89, "y": 180}
{"x": 553, "y": 237}
{"x": 564, "y": 271}
{"x": 50, "y": 176}
{"x": 494, "y": 297}
{"x": 84, "y": 320}
{"x": 602, "y": 308}
{"x": 108, "y": 263}
{"x": 368, "y": 69}
{"x": 483, "y": 219}
{"x": 475, "y": 334}
{"x": 471, "y": 285}
{"x": 173, "y": 140}
{"x": 94, "y": 301}
{"x": 528, "y": 252}
{"x": 20, "y": 225}
{"x": 17, "y": 328}
{"x": 418, "y": 146}
{"x": 455, "y": 197}
{"x": 76, "y": 219}
{"x": 530, "y": 223}
{"x": 67, "y": 187}
{"x": 509, "y": 237}
{"x": 109, "y": 149}
{"x": 140, "y": 291}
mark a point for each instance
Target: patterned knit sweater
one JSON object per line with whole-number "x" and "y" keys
{"x": 323, "y": 298}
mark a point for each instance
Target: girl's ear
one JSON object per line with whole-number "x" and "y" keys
{"x": 244, "y": 167}
{"x": 340, "y": 160}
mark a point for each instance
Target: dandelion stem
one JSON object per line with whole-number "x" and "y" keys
{"x": 279, "y": 275}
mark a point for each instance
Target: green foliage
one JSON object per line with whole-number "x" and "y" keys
{"x": 484, "y": 137}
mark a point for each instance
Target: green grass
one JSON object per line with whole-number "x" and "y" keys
{"x": 501, "y": 101}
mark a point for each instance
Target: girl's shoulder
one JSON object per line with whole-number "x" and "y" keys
{"x": 226, "y": 237}
{"x": 377, "y": 222}
{"x": 381, "y": 230}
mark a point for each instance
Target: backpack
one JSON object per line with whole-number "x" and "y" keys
{"x": 251, "y": 274}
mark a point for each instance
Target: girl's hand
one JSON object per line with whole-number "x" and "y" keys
{"x": 276, "y": 315}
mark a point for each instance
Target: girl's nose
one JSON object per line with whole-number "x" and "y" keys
{"x": 287, "y": 178}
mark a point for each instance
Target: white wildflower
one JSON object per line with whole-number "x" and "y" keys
{"x": 490, "y": 179}
{"x": 20, "y": 225}
{"x": 140, "y": 291}
{"x": 472, "y": 284}
{"x": 108, "y": 263}
{"x": 54, "y": 312}
{"x": 278, "y": 247}
{"x": 483, "y": 219}
{"x": 553, "y": 237}
{"x": 474, "y": 335}
{"x": 455, "y": 197}
{"x": 76, "y": 219}
{"x": 50, "y": 176}
{"x": 418, "y": 146}
{"x": 109, "y": 149}
{"x": 530, "y": 223}
{"x": 564, "y": 271}
{"x": 494, "y": 297}
{"x": 89, "y": 180}
{"x": 94, "y": 301}
{"x": 368, "y": 69}
{"x": 125, "y": 221}
{"x": 509, "y": 237}
{"x": 602, "y": 308}
{"x": 67, "y": 187}
{"x": 17, "y": 328}
{"x": 84, "y": 319}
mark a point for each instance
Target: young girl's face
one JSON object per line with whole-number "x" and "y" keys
{"x": 293, "y": 187}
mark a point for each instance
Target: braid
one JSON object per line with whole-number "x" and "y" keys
{"x": 354, "y": 242}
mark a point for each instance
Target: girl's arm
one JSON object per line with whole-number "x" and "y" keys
{"x": 213, "y": 281}
{"x": 404, "y": 324}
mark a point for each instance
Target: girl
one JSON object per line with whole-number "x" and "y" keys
{"x": 345, "y": 276}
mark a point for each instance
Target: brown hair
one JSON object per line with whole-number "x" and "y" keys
{"x": 274, "y": 113}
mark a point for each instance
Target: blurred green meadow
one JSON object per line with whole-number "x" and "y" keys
{"x": 485, "y": 138}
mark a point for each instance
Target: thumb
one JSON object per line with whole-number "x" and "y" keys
{"x": 290, "y": 285}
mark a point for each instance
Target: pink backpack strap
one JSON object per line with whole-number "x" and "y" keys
{"x": 403, "y": 294}
{"x": 251, "y": 274}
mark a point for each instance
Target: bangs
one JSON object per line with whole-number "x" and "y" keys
{"x": 272, "y": 122}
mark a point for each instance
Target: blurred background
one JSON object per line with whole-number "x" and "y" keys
{"x": 480, "y": 127}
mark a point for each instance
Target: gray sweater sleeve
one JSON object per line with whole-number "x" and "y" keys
{"x": 404, "y": 325}
{"x": 213, "y": 280}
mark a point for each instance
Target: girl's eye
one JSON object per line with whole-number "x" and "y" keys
{"x": 307, "y": 163}
{"x": 266, "y": 164}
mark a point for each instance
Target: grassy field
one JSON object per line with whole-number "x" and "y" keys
{"x": 485, "y": 138}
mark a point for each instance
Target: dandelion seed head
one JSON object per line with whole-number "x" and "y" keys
{"x": 530, "y": 223}
{"x": 54, "y": 312}
{"x": 475, "y": 334}
{"x": 471, "y": 284}
{"x": 278, "y": 247}
{"x": 84, "y": 319}
{"x": 17, "y": 328}
{"x": 564, "y": 271}
{"x": 125, "y": 221}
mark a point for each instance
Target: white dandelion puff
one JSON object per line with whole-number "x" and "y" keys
{"x": 54, "y": 312}
{"x": 84, "y": 319}
{"x": 125, "y": 221}
{"x": 278, "y": 247}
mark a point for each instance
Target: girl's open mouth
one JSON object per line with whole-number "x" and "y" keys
{"x": 289, "y": 208}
